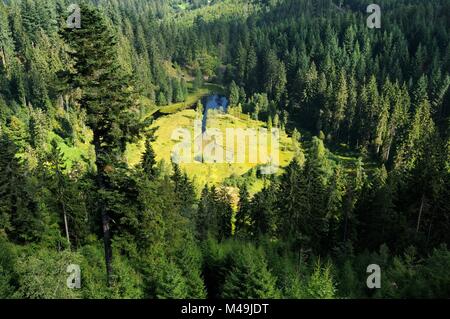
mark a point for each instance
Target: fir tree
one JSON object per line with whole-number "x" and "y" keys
{"x": 248, "y": 276}
{"x": 107, "y": 98}
{"x": 149, "y": 161}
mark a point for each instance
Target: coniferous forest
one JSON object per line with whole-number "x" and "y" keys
{"x": 84, "y": 175}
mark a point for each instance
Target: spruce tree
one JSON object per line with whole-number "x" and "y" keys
{"x": 317, "y": 174}
{"x": 107, "y": 97}
{"x": 249, "y": 277}
{"x": 148, "y": 160}
{"x": 243, "y": 213}
{"x": 234, "y": 94}
{"x": 202, "y": 220}
{"x": 294, "y": 205}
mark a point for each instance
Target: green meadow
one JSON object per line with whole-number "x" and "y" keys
{"x": 211, "y": 173}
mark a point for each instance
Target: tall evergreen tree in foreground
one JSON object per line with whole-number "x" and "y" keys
{"x": 107, "y": 97}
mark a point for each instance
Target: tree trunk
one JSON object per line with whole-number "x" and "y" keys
{"x": 101, "y": 184}
{"x": 420, "y": 213}
{"x": 66, "y": 102}
{"x": 345, "y": 225}
{"x": 429, "y": 232}
{"x": 66, "y": 224}
{"x": 3, "y": 59}
{"x": 107, "y": 244}
{"x": 387, "y": 152}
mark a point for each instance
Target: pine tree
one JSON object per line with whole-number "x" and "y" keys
{"x": 56, "y": 161}
{"x": 243, "y": 214}
{"x": 242, "y": 95}
{"x": 203, "y": 218}
{"x": 334, "y": 207}
{"x": 223, "y": 211}
{"x": 6, "y": 41}
{"x": 340, "y": 100}
{"x": 241, "y": 63}
{"x": 190, "y": 263}
{"x": 149, "y": 161}
{"x": 419, "y": 133}
{"x": 20, "y": 214}
{"x": 274, "y": 78}
{"x": 264, "y": 211}
{"x": 382, "y": 121}
{"x": 161, "y": 100}
{"x": 276, "y": 120}
{"x": 198, "y": 80}
{"x": 234, "y": 94}
{"x": 356, "y": 183}
{"x": 178, "y": 91}
{"x": 399, "y": 103}
{"x": 171, "y": 284}
{"x": 184, "y": 191}
{"x": 8, "y": 165}
{"x": 109, "y": 103}
{"x": 320, "y": 284}
{"x": 372, "y": 109}
{"x": 248, "y": 276}
{"x": 297, "y": 146}
{"x": 317, "y": 174}
{"x": 293, "y": 204}
{"x": 350, "y": 112}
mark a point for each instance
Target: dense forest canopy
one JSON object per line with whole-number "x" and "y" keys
{"x": 368, "y": 111}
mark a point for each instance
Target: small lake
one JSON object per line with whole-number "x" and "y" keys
{"x": 213, "y": 102}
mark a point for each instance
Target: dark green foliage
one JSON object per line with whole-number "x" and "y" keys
{"x": 108, "y": 100}
{"x": 8, "y": 275}
{"x": 243, "y": 214}
{"x": 21, "y": 217}
{"x": 198, "y": 81}
{"x": 214, "y": 214}
{"x": 248, "y": 276}
{"x": 372, "y": 187}
{"x": 148, "y": 161}
{"x": 295, "y": 204}
{"x": 264, "y": 211}
{"x": 66, "y": 195}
